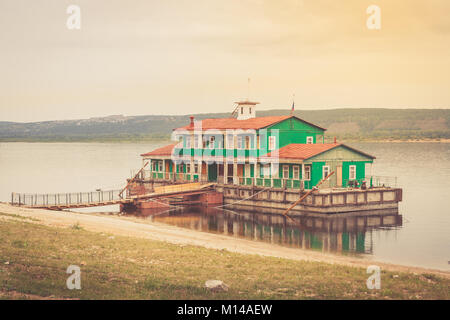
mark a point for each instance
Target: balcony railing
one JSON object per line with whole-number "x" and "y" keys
{"x": 370, "y": 181}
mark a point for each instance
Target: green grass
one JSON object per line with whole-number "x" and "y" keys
{"x": 34, "y": 260}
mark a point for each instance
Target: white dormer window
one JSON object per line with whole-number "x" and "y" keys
{"x": 272, "y": 142}
{"x": 309, "y": 140}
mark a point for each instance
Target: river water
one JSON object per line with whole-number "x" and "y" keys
{"x": 418, "y": 236}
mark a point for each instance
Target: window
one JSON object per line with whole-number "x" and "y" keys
{"x": 160, "y": 163}
{"x": 285, "y": 172}
{"x": 188, "y": 141}
{"x": 309, "y": 140}
{"x": 230, "y": 139}
{"x": 242, "y": 110}
{"x": 247, "y": 170}
{"x": 325, "y": 171}
{"x": 196, "y": 168}
{"x": 352, "y": 172}
{"x": 196, "y": 139}
{"x": 250, "y": 111}
{"x": 180, "y": 168}
{"x": 307, "y": 172}
{"x": 247, "y": 142}
{"x": 296, "y": 172}
{"x": 188, "y": 168}
{"x": 211, "y": 142}
{"x": 239, "y": 142}
{"x": 272, "y": 143}
{"x": 266, "y": 170}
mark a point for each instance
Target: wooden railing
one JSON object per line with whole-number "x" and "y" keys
{"x": 61, "y": 199}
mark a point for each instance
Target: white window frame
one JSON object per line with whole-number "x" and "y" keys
{"x": 188, "y": 142}
{"x": 195, "y": 167}
{"x": 247, "y": 146}
{"x": 272, "y": 142}
{"x": 160, "y": 166}
{"x": 188, "y": 168}
{"x": 197, "y": 138}
{"x": 323, "y": 171}
{"x": 310, "y": 140}
{"x": 230, "y": 141}
{"x": 266, "y": 170}
{"x": 285, "y": 169}
{"x": 350, "y": 175}
{"x": 240, "y": 143}
{"x": 212, "y": 140}
{"x": 247, "y": 170}
{"x": 295, "y": 172}
{"x": 307, "y": 176}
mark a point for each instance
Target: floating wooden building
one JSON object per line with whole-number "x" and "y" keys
{"x": 267, "y": 163}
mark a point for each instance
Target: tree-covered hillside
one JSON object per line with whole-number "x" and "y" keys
{"x": 346, "y": 124}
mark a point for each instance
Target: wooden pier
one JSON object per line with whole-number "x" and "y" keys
{"x": 60, "y": 201}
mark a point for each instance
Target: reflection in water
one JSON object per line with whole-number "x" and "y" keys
{"x": 344, "y": 233}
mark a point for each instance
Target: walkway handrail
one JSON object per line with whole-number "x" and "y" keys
{"x": 61, "y": 199}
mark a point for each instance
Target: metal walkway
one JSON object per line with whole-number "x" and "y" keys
{"x": 60, "y": 201}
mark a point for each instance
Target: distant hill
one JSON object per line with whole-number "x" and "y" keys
{"x": 346, "y": 124}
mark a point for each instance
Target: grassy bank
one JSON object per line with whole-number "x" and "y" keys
{"x": 34, "y": 259}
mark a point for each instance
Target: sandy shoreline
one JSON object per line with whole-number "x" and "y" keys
{"x": 134, "y": 227}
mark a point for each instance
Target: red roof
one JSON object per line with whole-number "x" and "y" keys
{"x": 163, "y": 151}
{"x": 233, "y": 123}
{"x": 306, "y": 151}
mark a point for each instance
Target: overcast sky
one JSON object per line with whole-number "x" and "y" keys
{"x": 178, "y": 57}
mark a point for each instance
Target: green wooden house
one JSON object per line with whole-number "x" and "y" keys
{"x": 277, "y": 151}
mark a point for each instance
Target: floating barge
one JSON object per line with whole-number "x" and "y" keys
{"x": 265, "y": 164}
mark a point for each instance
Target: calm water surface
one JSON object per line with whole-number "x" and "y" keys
{"x": 418, "y": 236}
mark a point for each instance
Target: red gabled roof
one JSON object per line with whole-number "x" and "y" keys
{"x": 233, "y": 123}
{"x": 163, "y": 151}
{"x": 306, "y": 151}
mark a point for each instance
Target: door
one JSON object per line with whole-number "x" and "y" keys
{"x": 339, "y": 176}
{"x": 212, "y": 172}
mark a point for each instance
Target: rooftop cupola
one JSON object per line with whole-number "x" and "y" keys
{"x": 245, "y": 110}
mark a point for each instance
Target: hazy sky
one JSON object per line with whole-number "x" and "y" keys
{"x": 178, "y": 57}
